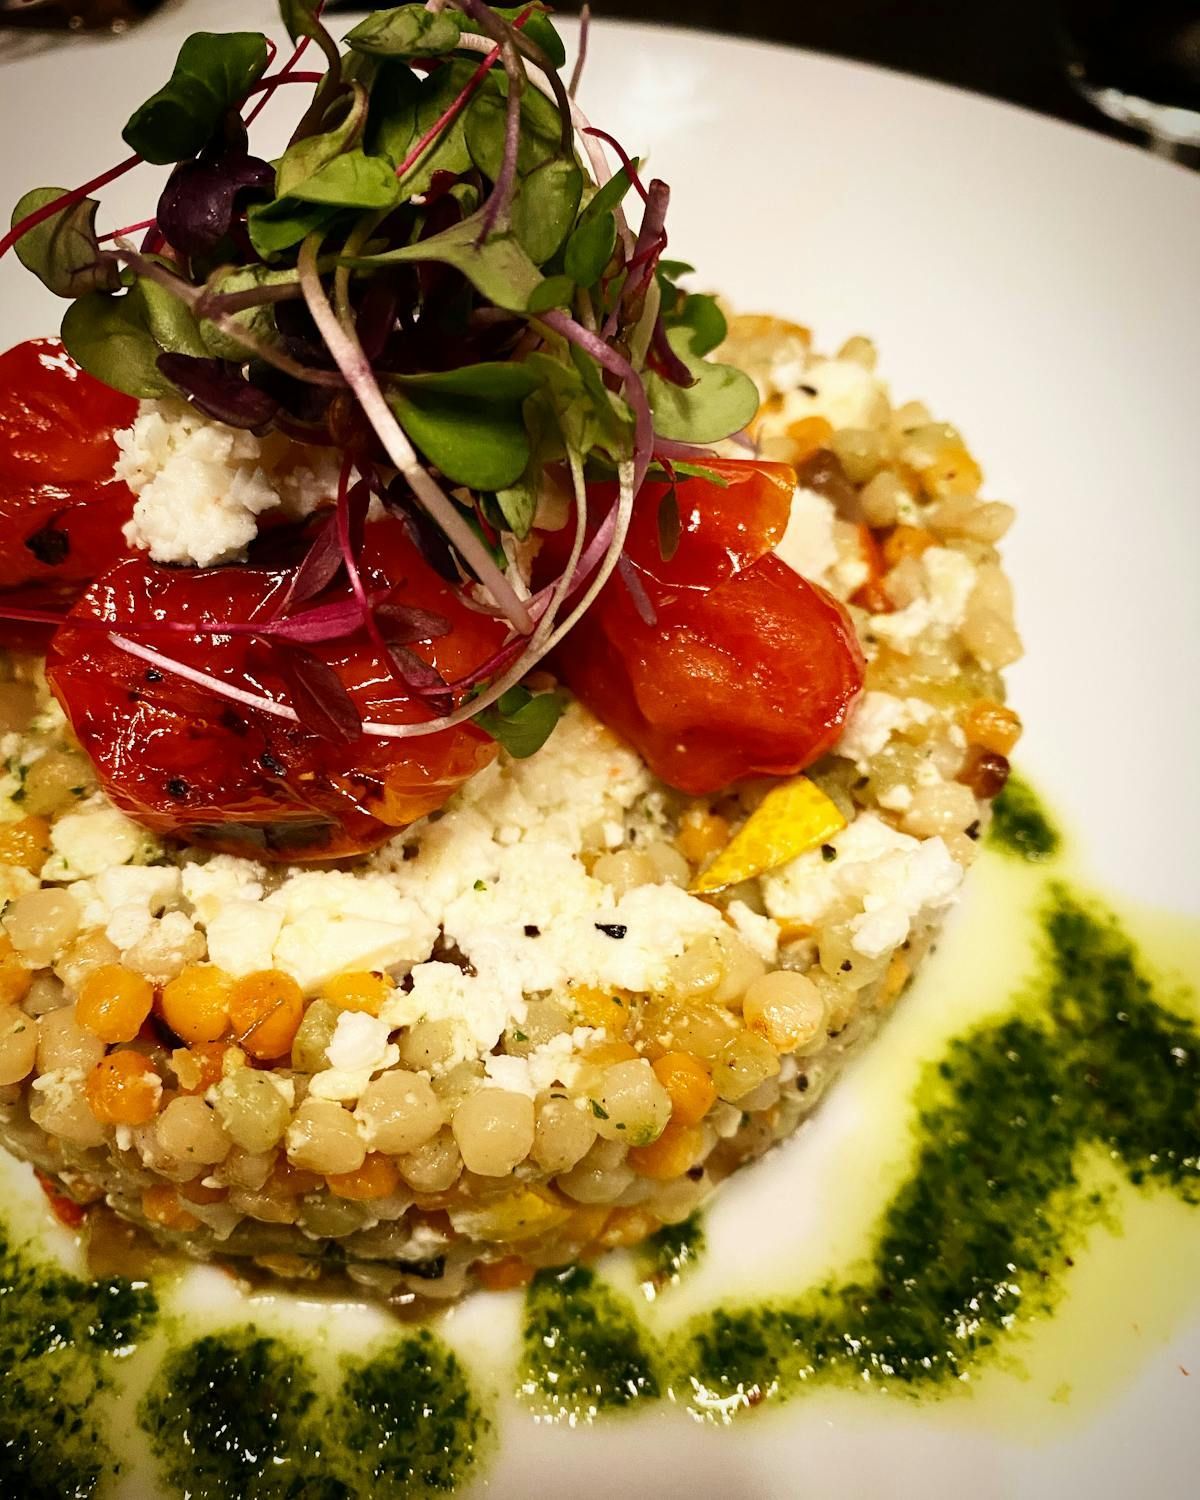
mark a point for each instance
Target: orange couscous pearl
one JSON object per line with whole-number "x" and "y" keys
{"x": 15, "y": 978}
{"x": 266, "y": 1010}
{"x": 198, "y": 1067}
{"x": 25, "y": 843}
{"x": 195, "y": 1004}
{"x": 288, "y": 1181}
{"x": 599, "y": 1008}
{"x": 689, "y": 1084}
{"x": 505, "y": 1275}
{"x": 123, "y": 1089}
{"x": 906, "y": 541}
{"x": 376, "y": 1178}
{"x": 808, "y": 435}
{"x": 114, "y": 1002}
{"x": 991, "y": 725}
{"x": 161, "y": 1205}
{"x": 361, "y": 990}
{"x": 700, "y": 835}
{"x": 676, "y": 1149}
{"x": 605, "y": 1054}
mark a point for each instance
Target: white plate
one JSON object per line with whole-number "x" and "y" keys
{"x": 1037, "y": 286}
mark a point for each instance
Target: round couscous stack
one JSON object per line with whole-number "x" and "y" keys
{"x": 553, "y": 1016}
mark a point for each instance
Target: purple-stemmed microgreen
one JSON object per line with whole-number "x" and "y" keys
{"x": 425, "y": 266}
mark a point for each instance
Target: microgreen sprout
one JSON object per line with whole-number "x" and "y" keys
{"x": 437, "y": 279}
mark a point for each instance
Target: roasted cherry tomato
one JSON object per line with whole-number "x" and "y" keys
{"x": 747, "y": 670}
{"x": 184, "y": 760}
{"x": 61, "y": 510}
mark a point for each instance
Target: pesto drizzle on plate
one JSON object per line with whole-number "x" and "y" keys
{"x": 976, "y": 1240}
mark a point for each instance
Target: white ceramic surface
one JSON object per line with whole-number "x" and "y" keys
{"x": 1037, "y": 286}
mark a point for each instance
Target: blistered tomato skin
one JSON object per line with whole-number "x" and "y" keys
{"x": 61, "y": 510}
{"x": 187, "y": 762}
{"x": 747, "y": 670}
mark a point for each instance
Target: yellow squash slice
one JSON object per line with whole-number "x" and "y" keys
{"x": 792, "y": 817}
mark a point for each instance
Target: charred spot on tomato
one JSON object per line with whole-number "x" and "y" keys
{"x": 49, "y": 545}
{"x": 178, "y": 789}
{"x": 272, "y": 764}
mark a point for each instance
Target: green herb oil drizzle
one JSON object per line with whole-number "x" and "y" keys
{"x": 242, "y": 1416}
{"x": 976, "y": 1241}
{"x": 60, "y": 1338}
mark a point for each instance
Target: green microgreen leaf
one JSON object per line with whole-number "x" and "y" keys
{"x": 555, "y": 291}
{"x": 672, "y": 270}
{"x": 498, "y": 267}
{"x": 541, "y": 128}
{"x": 721, "y": 402}
{"x": 605, "y": 199}
{"x": 406, "y": 31}
{"x": 118, "y": 338}
{"x": 590, "y": 249}
{"x": 211, "y": 76}
{"x": 276, "y": 227}
{"x": 62, "y": 251}
{"x": 702, "y": 315}
{"x": 521, "y": 722}
{"x": 258, "y": 321}
{"x": 449, "y": 152}
{"x": 545, "y": 207}
{"x": 482, "y": 444}
{"x": 538, "y": 29}
{"x": 303, "y": 159}
{"x": 669, "y": 525}
{"x": 392, "y": 112}
{"x": 486, "y": 381}
{"x": 518, "y": 505}
{"x": 352, "y": 180}
{"x": 300, "y": 18}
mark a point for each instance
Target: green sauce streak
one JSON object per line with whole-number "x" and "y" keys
{"x": 975, "y": 1240}
{"x": 231, "y": 1416}
{"x": 670, "y": 1254}
{"x": 1020, "y": 825}
{"x": 584, "y": 1350}
{"x": 240, "y": 1416}
{"x": 407, "y": 1422}
{"x": 59, "y": 1337}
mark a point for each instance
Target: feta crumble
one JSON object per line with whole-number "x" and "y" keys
{"x": 201, "y": 486}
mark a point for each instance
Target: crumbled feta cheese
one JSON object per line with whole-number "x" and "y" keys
{"x": 949, "y": 579}
{"x": 896, "y": 798}
{"x": 358, "y": 1041}
{"x": 222, "y": 878}
{"x": 91, "y": 840}
{"x": 511, "y": 1073}
{"x": 874, "y": 719}
{"x": 358, "y": 1049}
{"x": 807, "y": 545}
{"x": 759, "y": 932}
{"x": 241, "y": 936}
{"x": 480, "y": 1009}
{"x": 842, "y": 391}
{"x": 334, "y": 921}
{"x": 891, "y": 876}
{"x": 201, "y": 485}
{"x": 923, "y": 879}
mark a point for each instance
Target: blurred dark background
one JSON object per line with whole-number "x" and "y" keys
{"x": 1100, "y": 63}
{"x": 1037, "y": 53}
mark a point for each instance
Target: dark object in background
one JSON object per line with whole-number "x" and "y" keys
{"x": 75, "y": 15}
{"x": 1139, "y": 62}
